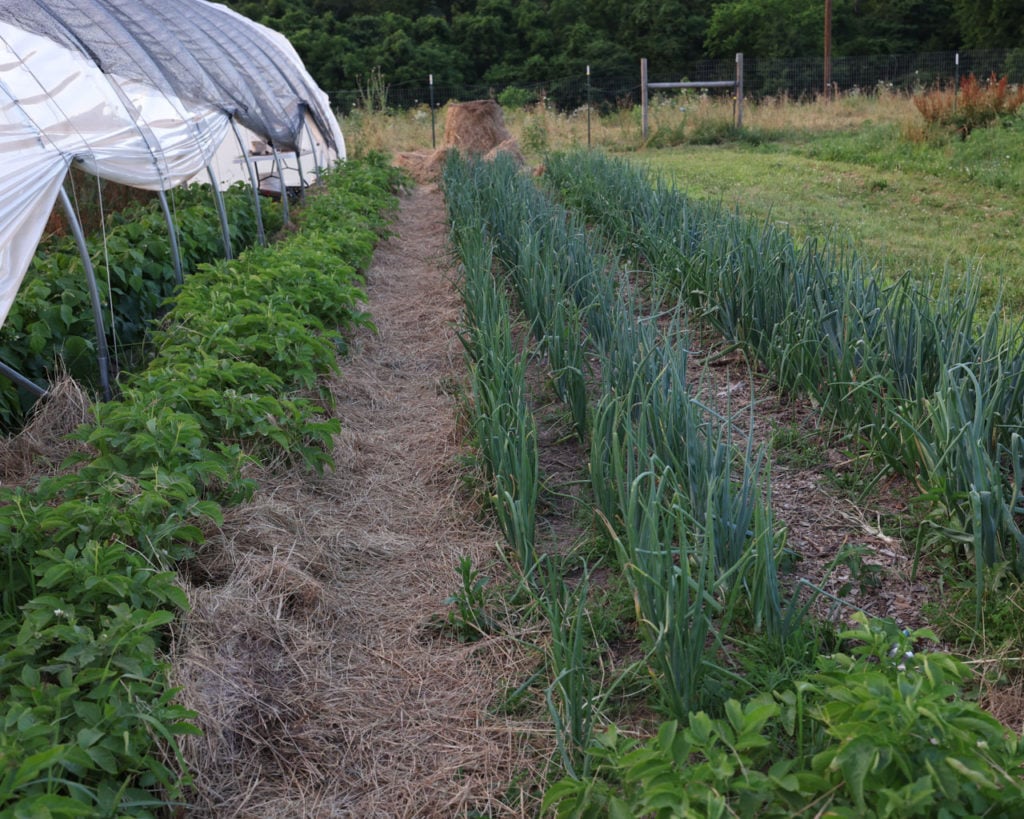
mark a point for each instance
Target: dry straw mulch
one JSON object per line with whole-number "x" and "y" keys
{"x": 42, "y": 445}
{"x": 321, "y": 687}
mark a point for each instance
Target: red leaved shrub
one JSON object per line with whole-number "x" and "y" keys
{"x": 978, "y": 103}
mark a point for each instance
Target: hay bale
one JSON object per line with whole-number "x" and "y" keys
{"x": 509, "y": 146}
{"x": 476, "y": 128}
{"x": 422, "y": 166}
{"x": 42, "y": 444}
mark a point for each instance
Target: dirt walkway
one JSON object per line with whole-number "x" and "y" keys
{"x": 323, "y": 689}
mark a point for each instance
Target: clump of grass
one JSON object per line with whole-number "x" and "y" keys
{"x": 823, "y": 115}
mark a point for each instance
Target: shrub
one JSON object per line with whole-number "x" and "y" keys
{"x": 978, "y": 104}
{"x": 513, "y": 97}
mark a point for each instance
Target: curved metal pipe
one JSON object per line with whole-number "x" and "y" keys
{"x": 312, "y": 146}
{"x": 172, "y": 231}
{"x": 302, "y": 176}
{"x": 102, "y": 355}
{"x": 284, "y": 188}
{"x": 22, "y": 381}
{"x": 254, "y": 181}
{"x": 222, "y": 212}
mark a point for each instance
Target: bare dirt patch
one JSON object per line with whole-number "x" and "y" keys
{"x": 843, "y": 544}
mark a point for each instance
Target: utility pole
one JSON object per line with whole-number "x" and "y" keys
{"x": 828, "y": 49}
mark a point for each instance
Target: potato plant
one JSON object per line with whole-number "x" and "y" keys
{"x": 877, "y": 730}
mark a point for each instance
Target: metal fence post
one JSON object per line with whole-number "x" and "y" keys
{"x": 588, "y": 106}
{"x": 956, "y": 79}
{"x": 739, "y": 89}
{"x": 643, "y": 98}
{"x": 828, "y": 51}
{"x": 433, "y": 133}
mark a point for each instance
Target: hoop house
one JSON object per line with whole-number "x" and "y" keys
{"x": 146, "y": 93}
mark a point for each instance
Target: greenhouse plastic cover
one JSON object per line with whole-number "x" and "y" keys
{"x": 141, "y": 92}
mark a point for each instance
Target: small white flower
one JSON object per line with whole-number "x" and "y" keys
{"x": 59, "y": 612}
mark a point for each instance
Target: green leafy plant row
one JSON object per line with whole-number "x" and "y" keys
{"x": 503, "y": 423}
{"x": 877, "y": 731}
{"x": 51, "y": 323}
{"x": 696, "y": 543}
{"x": 506, "y": 436}
{"x": 87, "y": 557}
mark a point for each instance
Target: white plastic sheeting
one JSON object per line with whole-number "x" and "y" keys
{"x": 140, "y": 92}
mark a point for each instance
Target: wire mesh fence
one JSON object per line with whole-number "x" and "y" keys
{"x": 798, "y": 77}
{"x": 565, "y": 93}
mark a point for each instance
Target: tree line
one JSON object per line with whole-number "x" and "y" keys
{"x": 466, "y": 42}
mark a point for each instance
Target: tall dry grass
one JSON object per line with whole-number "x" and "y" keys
{"x": 685, "y": 116}
{"x": 821, "y": 114}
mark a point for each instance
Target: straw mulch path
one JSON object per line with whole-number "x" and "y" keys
{"x": 321, "y": 685}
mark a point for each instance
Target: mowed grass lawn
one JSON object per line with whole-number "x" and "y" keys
{"x": 910, "y": 205}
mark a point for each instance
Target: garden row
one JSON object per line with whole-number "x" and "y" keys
{"x": 685, "y": 514}
{"x": 88, "y": 557}
{"x": 934, "y": 387}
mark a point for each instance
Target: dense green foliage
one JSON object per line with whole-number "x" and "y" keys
{"x": 501, "y": 41}
{"x": 917, "y": 371}
{"x": 877, "y": 731}
{"x": 795, "y": 28}
{"x": 678, "y": 502}
{"x": 51, "y": 323}
{"x": 86, "y": 557}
